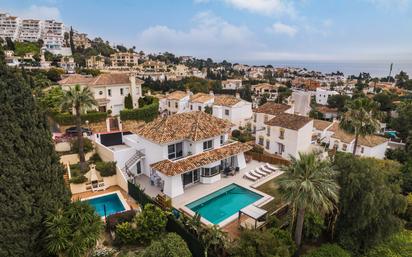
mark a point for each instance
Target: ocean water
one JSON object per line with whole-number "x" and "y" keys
{"x": 376, "y": 69}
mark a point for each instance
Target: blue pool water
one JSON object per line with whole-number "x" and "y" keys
{"x": 223, "y": 203}
{"x": 111, "y": 201}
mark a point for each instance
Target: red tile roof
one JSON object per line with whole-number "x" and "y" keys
{"x": 289, "y": 121}
{"x": 272, "y": 108}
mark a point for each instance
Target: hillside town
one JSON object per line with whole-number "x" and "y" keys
{"x": 155, "y": 154}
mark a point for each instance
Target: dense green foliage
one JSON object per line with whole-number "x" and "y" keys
{"x": 146, "y": 113}
{"x": 171, "y": 245}
{"x": 399, "y": 245}
{"x": 106, "y": 169}
{"x": 87, "y": 145}
{"x": 313, "y": 226}
{"x": 328, "y": 250}
{"x": 128, "y": 102}
{"x": 338, "y": 101}
{"x": 31, "y": 180}
{"x": 51, "y": 99}
{"x": 369, "y": 202}
{"x": 73, "y": 231}
{"x": 69, "y": 119}
{"x": 254, "y": 243}
{"x": 403, "y": 123}
{"x": 151, "y": 222}
{"x": 22, "y": 48}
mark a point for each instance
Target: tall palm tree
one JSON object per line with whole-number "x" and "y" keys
{"x": 308, "y": 184}
{"x": 361, "y": 119}
{"x": 79, "y": 99}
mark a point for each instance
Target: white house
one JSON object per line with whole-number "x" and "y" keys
{"x": 286, "y": 135}
{"x": 232, "y": 84}
{"x": 320, "y": 131}
{"x": 322, "y": 95}
{"x": 176, "y": 151}
{"x": 109, "y": 89}
{"x": 177, "y": 102}
{"x": 266, "y": 112}
{"x": 301, "y": 102}
{"x": 199, "y": 101}
{"x": 233, "y": 109}
{"x": 368, "y": 146}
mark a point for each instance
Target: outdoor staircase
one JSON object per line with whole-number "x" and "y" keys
{"x": 129, "y": 163}
{"x": 66, "y": 179}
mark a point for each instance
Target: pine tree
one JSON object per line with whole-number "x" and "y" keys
{"x": 31, "y": 177}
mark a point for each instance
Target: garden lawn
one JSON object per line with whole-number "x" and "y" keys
{"x": 271, "y": 188}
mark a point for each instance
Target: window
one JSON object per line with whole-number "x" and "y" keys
{"x": 281, "y": 148}
{"x": 210, "y": 172}
{"x": 267, "y": 144}
{"x": 268, "y": 131}
{"x": 344, "y": 147}
{"x": 176, "y": 105}
{"x": 222, "y": 140}
{"x": 282, "y": 133}
{"x": 227, "y": 112}
{"x": 109, "y": 92}
{"x": 175, "y": 151}
{"x": 265, "y": 118}
{"x": 207, "y": 145}
{"x": 191, "y": 107}
{"x": 254, "y": 117}
{"x": 199, "y": 108}
{"x": 100, "y": 92}
{"x": 168, "y": 103}
{"x": 121, "y": 91}
{"x": 260, "y": 142}
{"x": 362, "y": 149}
{"x": 254, "y": 129}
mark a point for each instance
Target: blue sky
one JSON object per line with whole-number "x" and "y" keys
{"x": 241, "y": 30}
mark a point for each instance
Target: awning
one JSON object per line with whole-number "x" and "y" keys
{"x": 253, "y": 212}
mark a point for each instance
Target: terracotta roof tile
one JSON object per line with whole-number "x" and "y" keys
{"x": 201, "y": 98}
{"x": 326, "y": 109}
{"x": 370, "y": 141}
{"x": 172, "y": 168}
{"x": 102, "y": 79}
{"x": 176, "y": 95}
{"x": 132, "y": 125}
{"x": 192, "y": 126}
{"x": 321, "y": 124}
{"x": 272, "y": 108}
{"x": 226, "y": 100}
{"x": 289, "y": 121}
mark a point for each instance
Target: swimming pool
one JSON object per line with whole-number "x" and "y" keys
{"x": 112, "y": 203}
{"x": 223, "y": 203}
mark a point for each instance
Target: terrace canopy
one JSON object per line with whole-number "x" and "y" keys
{"x": 254, "y": 213}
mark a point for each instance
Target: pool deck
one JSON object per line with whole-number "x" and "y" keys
{"x": 129, "y": 200}
{"x": 199, "y": 190}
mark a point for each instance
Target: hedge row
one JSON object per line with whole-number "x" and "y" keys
{"x": 69, "y": 119}
{"x": 146, "y": 113}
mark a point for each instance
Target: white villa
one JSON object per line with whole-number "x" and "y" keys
{"x": 109, "y": 89}
{"x": 280, "y": 131}
{"x": 177, "y": 102}
{"x": 233, "y": 109}
{"x": 175, "y": 152}
{"x": 322, "y": 95}
{"x": 199, "y": 101}
{"x": 232, "y": 84}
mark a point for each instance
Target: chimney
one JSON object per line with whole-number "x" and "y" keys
{"x": 188, "y": 92}
{"x": 211, "y": 93}
{"x": 237, "y": 95}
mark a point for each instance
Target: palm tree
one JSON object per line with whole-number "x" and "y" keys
{"x": 80, "y": 99}
{"x": 73, "y": 231}
{"x": 361, "y": 119}
{"x": 213, "y": 237}
{"x": 308, "y": 185}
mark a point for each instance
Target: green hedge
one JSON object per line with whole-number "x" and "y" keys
{"x": 146, "y": 113}
{"x": 69, "y": 119}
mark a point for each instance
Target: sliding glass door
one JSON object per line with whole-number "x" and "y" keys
{"x": 191, "y": 177}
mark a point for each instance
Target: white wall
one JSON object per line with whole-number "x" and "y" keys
{"x": 322, "y": 95}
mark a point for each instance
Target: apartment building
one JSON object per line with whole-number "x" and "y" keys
{"x": 68, "y": 64}
{"x": 9, "y": 26}
{"x": 53, "y": 34}
{"x": 109, "y": 89}
{"x": 233, "y": 109}
{"x": 81, "y": 40}
{"x": 30, "y": 30}
{"x": 232, "y": 84}
{"x": 124, "y": 59}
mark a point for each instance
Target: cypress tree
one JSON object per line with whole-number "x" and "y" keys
{"x": 31, "y": 176}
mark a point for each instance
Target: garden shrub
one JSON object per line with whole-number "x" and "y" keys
{"x": 236, "y": 133}
{"x": 69, "y": 119}
{"x": 169, "y": 245}
{"x": 75, "y": 169}
{"x": 285, "y": 238}
{"x": 87, "y": 145}
{"x": 106, "y": 169}
{"x": 151, "y": 223}
{"x": 103, "y": 252}
{"x": 329, "y": 250}
{"x": 313, "y": 226}
{"x": 398, "y": 245}
{"x": 146, "y": 113}
{"x": 95, "y": 158}
{"x": 120, "y": 217}
{"x": 78, "y": 179}
{"x": 128, "y": 102}
{"x": 126, "y": 234}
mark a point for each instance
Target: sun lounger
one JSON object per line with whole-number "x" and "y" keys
{"x": 258, "y": 171}
{"x": 249, "y": 176}
{"x": 254, "y": 173}
{"x": 271, "y": 167}
{"x": 265, "y": 169}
